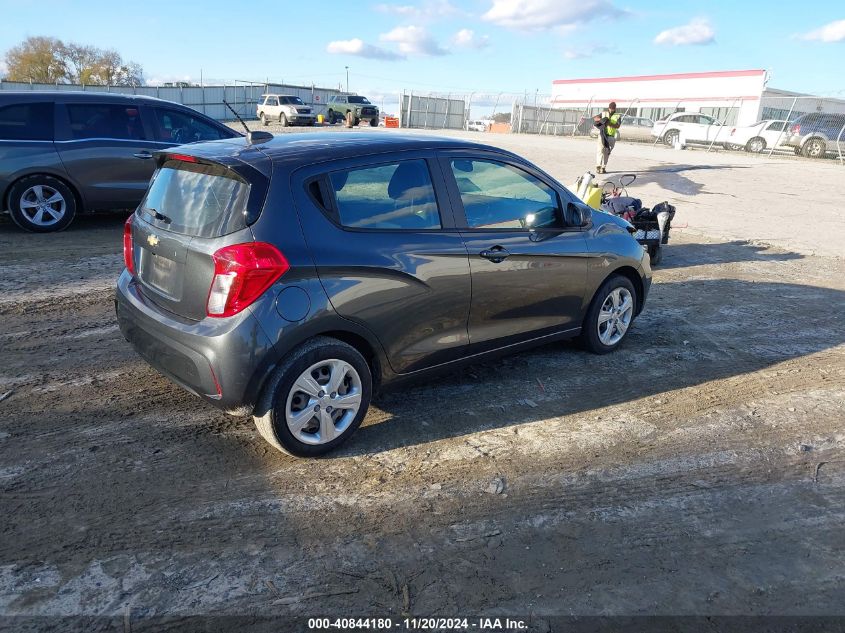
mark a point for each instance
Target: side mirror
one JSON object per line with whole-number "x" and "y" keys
{"x": 578, "y": 215}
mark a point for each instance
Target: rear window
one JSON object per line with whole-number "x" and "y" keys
{"x": 197, "y": 199}
{"x": 27, "y": 122}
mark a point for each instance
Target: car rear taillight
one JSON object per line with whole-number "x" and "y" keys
{"x": 185, "y": 158}
{"x": 242, "y": 272}
{"x": 796, "y": 129}
{"x": 128, "y": 248}
{"x": 733, "y": 131}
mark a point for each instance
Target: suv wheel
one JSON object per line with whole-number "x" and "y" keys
{"x": 263, "y": 119}
{"x": 610, "y": 315}
{"x": 373, "y": 122}
{"x": 356, "y": 121}
{"x": 283, "y": 120}
{"x": 315, "y": 399}
{"x": 41, "y": 204}
{"x": 671, "y": 137}
{"x": 814, "y": 148}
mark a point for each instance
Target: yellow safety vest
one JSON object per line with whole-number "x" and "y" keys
{"x": 614, "y": 118}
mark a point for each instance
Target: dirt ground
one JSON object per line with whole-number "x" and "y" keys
{"x": 698, "y": 470}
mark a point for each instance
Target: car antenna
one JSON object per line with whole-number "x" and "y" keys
{"x": 251, "y": 137}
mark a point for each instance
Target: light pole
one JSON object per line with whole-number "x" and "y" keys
{"x": 347, "y": 78}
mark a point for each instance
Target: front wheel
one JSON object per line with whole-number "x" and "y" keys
{"x": 283, "y": 120}
{"x": 263, "y": 119}
{"x": 41, "y": 204}
{"x": 316, "y": 399}
{"x": 373, "y": 122}
{"x": 610, "y": 315}
{"x": 755, "y": 145}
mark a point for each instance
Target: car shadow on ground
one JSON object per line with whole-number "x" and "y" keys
{"x": 685, "y": 255}
{"x": 691, "y": 332}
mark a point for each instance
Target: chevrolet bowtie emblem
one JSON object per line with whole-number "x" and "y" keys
{"x": 152, "y": 240}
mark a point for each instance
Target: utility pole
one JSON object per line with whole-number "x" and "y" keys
{"x": 347, "y": 78}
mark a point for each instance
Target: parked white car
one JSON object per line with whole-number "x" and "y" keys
{"x": 755, "y": 138}
{"x": 692, "y": 127}
{"x": 633, "y": 128}
{"x": 478, "y": 126}
{"x": 286, "y": 109}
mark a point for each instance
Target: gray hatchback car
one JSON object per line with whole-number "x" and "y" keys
{"x": 62, "y": 152}
{"x": 289, "y": 279}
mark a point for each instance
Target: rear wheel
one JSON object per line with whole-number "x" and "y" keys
{"x": 356, "y": 121}
{"x": 755, "y": 145}
{"x": 671, "y": 137}
{"x": 315, "y": 399}
{"x": 283, "y": 120}
{"x": 610, "y": 315}
{"x": 41, "y": 204}
{"x": 814, "y": 148}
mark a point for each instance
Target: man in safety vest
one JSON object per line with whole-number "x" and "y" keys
{"x": 608, "y": 124}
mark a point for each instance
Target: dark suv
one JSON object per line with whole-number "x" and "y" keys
{"x": 339, "y": 106}
{"x": 815, "y": 134}
{"x": 291, "y": 278}
{"x": 67, "y": 152}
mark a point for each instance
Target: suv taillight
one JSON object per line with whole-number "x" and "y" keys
{"x": 242, "y": 272}
{"x": 128, "y": 248}
{"x": 796, "y": 129}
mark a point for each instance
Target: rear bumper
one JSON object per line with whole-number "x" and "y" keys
{"x": 219, "y": 360}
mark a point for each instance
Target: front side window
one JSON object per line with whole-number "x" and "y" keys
{"x": 392, "y": 196}
{"x": 501, "y": 196}
{"x": 89, "y": 120}
{"x": 175, "y": 126}
{"x": 362, "y": 100}
{"x": 27, "y": 122}
{"x": 291, "y": 101}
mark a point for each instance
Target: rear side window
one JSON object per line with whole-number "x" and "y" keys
{"x": 27, "y": 122}
{"x": 391, "y": 196}
{"x": 196, "y": 199}
{"x": 176, "y": 126}
{"x": 90, "y": 120}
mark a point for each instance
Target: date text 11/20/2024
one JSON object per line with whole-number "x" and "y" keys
{"x": 418, "y": 624}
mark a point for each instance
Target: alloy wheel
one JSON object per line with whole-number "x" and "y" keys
{"x": 323, "y": 401}
{"x": 615, "y": 316}
{"x": 42, "y": 205}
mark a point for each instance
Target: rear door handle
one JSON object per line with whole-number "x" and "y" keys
{"x": 142, "y": 154}
{"x": 496, "y": 254}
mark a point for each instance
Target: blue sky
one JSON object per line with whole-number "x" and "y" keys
{"x": 448, "y": 45}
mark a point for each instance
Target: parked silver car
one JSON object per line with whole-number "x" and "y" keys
{"x": 286, "y": 109}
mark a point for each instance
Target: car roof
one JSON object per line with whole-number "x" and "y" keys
{"x": 277, "y": 94}
{"x": 315, "y": 147}
{"x": 18, "y": 96}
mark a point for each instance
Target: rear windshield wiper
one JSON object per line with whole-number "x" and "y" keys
{"x": 158, "y": 216}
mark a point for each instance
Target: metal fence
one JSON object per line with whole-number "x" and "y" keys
{"x": 242, "y": 96}
{"x": 432, "y": 112}
{"x": 528, "y": 119}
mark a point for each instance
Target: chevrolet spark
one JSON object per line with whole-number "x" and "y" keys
{"x": 289, "y": 278}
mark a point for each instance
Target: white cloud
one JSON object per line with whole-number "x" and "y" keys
{"x": 536, "y": 15}
{"x": 428, "y": 10}
{"x": 589, "y": 51}
{"x": 833, "y": 32}
{"x": 360, "y": 48}
{"x": 698, "y": 31}
{"x": 413, "y": 40}
{"x": 160, "y": 80}
{"x": 466, "y": 38}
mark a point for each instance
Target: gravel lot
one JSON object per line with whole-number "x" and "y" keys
{"x": 699, "y": 470}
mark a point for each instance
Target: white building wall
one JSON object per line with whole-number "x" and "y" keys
{"x": 740, "y": 89}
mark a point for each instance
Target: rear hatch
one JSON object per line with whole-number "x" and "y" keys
{"x": 194, "y": 206}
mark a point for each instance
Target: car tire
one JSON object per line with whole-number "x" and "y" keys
{"x": 41, "y": 204}
{"x": 308, "y": 368}
{"x": 670, "y": 137}
{"x": 356, "y": 121}
{"x": 283, "y": 120}
{"x": 814, "y": 148}
{"x": 373, "y": 122}
{"x": 755, "y": 145}
{"x": 604, "y": 337}
{"x": 263, "y": 119}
